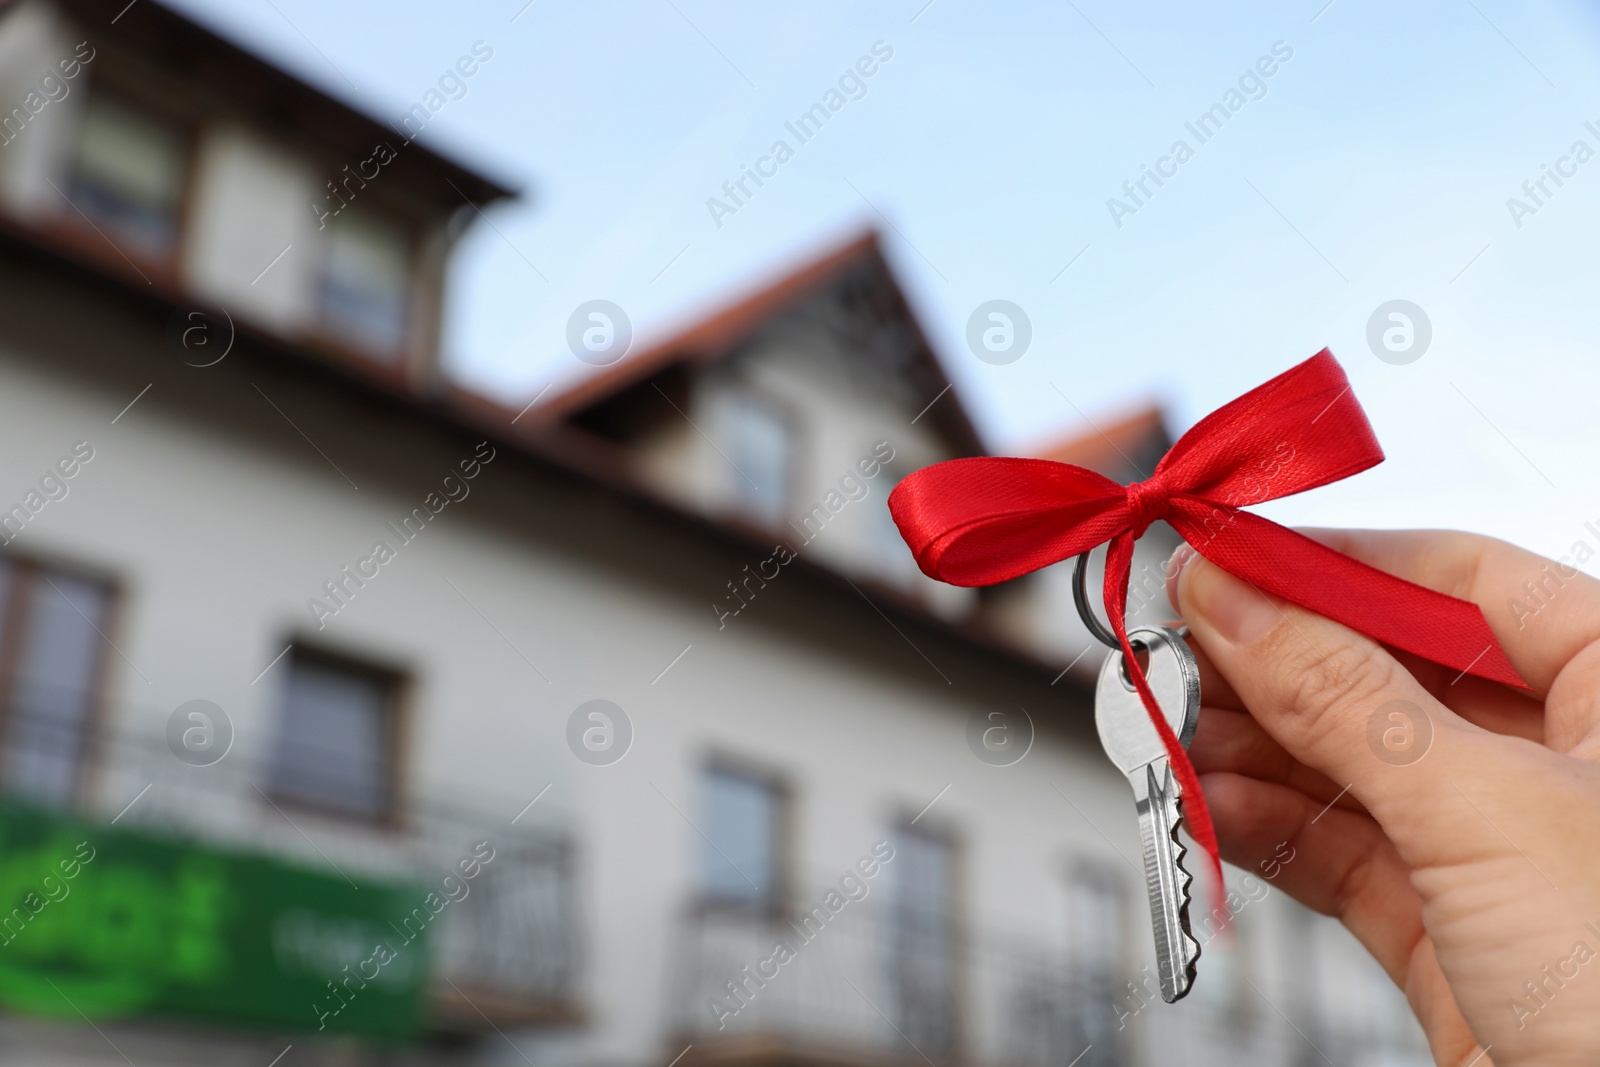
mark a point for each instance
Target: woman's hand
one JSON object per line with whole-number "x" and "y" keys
{"x": 1462, "y": 846}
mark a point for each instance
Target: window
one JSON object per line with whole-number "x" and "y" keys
{"x": 1095, "y": 926}
{"x": 127, "y": 175}
{"x": 760, "y": 448}
{"x": 1094, "y": 916}
{"x": 336, "y": 737}
{"x": 922, "y": 939}
{"x": 51, "y": 626}
{"x": 366, "y": 273}
{"x": 895, "y": 559}
{"x": 740, "y": 857}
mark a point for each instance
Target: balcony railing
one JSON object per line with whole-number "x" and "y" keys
{"x": 870, "y": 989}
{"x": 874, "y": 986}
{"x": 509, "y": 954}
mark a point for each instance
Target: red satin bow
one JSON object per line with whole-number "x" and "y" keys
{"x": 981, "y": 521}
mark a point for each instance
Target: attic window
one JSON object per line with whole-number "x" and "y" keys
{"x": 365, "y": 275}
{"x": 895, "y": 560}
{"x": 127, "y": 175}
{"x": 759, "y": 441}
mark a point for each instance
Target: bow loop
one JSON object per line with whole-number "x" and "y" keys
{"x": 1301, "y": 430}
{"x": 981, "y": 521}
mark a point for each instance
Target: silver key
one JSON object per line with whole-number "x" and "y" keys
{"x": 1134, "y": 746}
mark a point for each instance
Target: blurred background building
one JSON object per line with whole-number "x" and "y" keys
{"x": 350, "y": 717}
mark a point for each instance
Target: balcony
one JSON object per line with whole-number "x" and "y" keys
{"x": 866, "y": 991}
{"x": 508, "y": 954}
{"x": 871, "y": 990}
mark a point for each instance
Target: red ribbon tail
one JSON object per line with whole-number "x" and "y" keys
{"x": 1196, "y": 813}
{"x": 1391, "y": 610}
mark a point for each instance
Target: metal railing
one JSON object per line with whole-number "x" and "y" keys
{"x": 869, "y": 988}
{"x": 511, "y": 949}
{"x": 875, "y": 986}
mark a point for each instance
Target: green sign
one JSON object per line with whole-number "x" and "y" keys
{"x": 112, "y": 923}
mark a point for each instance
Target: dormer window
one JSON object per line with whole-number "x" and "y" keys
{"x": 127, "y": 176}
{"x": 758, "y": 437}
{"x": 894, "y": 559}
{"x": 366, "y": 274}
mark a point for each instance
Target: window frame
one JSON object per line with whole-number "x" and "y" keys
{"x": 82, "y": 235}
{"x": 1086, "y": 870}
{"x": 909, "y": 823}
{"x": 399, "y": 685}
{"x": 780, "y": 903}
{"x": 735, "y": 391}
{"x": 895, "y": 563}
{"x": 396, "y": 365}
{"x": 916, "y": 824}
{"x": 1083, "y": 871}
{"x": 15, "y": 613}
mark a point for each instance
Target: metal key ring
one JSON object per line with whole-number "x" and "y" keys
{"x": 1080, "y": 597}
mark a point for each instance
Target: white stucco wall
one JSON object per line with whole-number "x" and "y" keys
{"x": 219, "y": 544}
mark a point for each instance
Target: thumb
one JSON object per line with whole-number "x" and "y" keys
{"x": 1334, "y": 699}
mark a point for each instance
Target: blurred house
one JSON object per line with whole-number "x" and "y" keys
{"x": 347, "y": 717}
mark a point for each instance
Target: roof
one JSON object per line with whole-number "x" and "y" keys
{"x": 274, "y": 98}
{"x": 1125, "y": 450}
{"x": 719, "y": 335}
{"x": 465, "y": 412}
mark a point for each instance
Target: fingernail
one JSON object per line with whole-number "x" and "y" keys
{"x": 1237, "y": 612}
{"x": 1174, "y": 571}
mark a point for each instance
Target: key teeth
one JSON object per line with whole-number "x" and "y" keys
{"x": 1191, "y": 947}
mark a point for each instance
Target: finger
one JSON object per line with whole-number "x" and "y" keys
{"x": 1334, "y": 862}
{"x": 1572, "y": 713}
{"x": 1234, "y": 742}
{"x": 1481, "y": 702}
{"x": 1214, "y": 688}
{"x": 1542, "y": 611}
{"x": 1340, "y": 704}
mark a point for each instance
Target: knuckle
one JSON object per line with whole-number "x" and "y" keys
{"x": 1325, "y": 684}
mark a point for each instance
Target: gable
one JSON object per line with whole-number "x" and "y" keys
{"x": 796, "y": 409}
{"x": 843, "y": 311}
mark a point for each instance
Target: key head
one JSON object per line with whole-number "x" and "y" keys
{"x": 1126, "y": 732}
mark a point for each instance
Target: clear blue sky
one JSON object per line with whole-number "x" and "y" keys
{"x": 1376, "y": 166}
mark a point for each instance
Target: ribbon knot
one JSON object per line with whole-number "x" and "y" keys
{"x": 1147, "y": 503}
{"x": 987, "y": 520}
